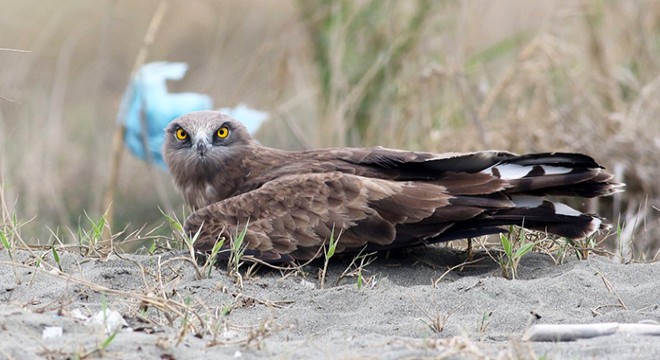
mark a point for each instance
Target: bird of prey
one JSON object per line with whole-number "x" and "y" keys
{"x": 376, "y": 198}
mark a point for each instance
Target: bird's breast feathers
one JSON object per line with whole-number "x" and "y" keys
{"x": 200, "y": 195}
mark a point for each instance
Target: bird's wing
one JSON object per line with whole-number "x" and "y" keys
{"x": 291, "y": 217}
{"x": 533, "y": 174}
{"x": 422, "y": 165}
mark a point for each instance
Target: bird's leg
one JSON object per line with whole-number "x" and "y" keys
{"x": 470, "y": 255}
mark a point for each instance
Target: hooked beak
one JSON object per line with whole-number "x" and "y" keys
{"x": 202, "y": 146}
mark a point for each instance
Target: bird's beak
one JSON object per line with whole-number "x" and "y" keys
{"x": 202, "y": 145}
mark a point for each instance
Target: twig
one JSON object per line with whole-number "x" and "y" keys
{"x": 9, "y": 100}
{"x": 570, "y": 332}
{"x": 435, "y": 283}
{"x": 611, "y": 289}
{"x": 15, "y": 50}
{"x": 277, "y": 304}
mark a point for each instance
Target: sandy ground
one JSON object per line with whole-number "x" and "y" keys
{"x": 398, "y": 313}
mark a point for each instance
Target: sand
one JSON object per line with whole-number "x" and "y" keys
{"x": 401, "y": 311}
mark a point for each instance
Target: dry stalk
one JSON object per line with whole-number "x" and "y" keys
{"x": 611, "y": 289}
{"x": 163, "y": 304}
{"x": 118, "y": 139}
{"x": 437, "y": 281}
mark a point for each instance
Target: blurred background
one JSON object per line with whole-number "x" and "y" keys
{"x": 441, "y": 76}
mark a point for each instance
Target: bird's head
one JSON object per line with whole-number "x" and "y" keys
{"x": 202, "y": 143}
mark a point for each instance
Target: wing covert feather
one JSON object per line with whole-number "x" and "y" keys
{"x": 298, "y": 213}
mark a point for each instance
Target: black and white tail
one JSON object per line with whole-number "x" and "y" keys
{"x": 525, "y": 192}
{"x": 527, "y": 182}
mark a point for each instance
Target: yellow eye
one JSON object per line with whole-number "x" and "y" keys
{"x": 181, "y": 134}
{"x": 223, "y": 132}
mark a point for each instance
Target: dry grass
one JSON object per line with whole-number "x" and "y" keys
{"x": 154, "y": 304}
{"x": 541, "y": 76}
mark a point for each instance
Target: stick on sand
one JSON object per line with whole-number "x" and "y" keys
{"x": 571, "y": 332}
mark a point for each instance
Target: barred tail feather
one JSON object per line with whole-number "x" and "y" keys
{"x": 528, "y": 180}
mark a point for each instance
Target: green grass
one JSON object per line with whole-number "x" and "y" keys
{"x": 188, "y": 243}
{"x": 213, "y": 256}
{"x": 6, "y": 244}
{"x": 484, "y": 321}
{"x": 56, "y": 257}
{"x": 328, "y": 253}
{"x": 513, "y": 251}
{"x": 237, "y": 249}
{"x": 93, "y": 235}
{"x": 107, "y": 341}
{"x": 357, "y": 269}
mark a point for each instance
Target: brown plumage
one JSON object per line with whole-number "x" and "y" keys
{"x": 374, "y": 197}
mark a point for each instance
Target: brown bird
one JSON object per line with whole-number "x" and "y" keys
{"x": 373, "y": 198}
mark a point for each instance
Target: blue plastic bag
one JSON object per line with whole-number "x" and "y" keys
{"x": 147, "y": 97}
